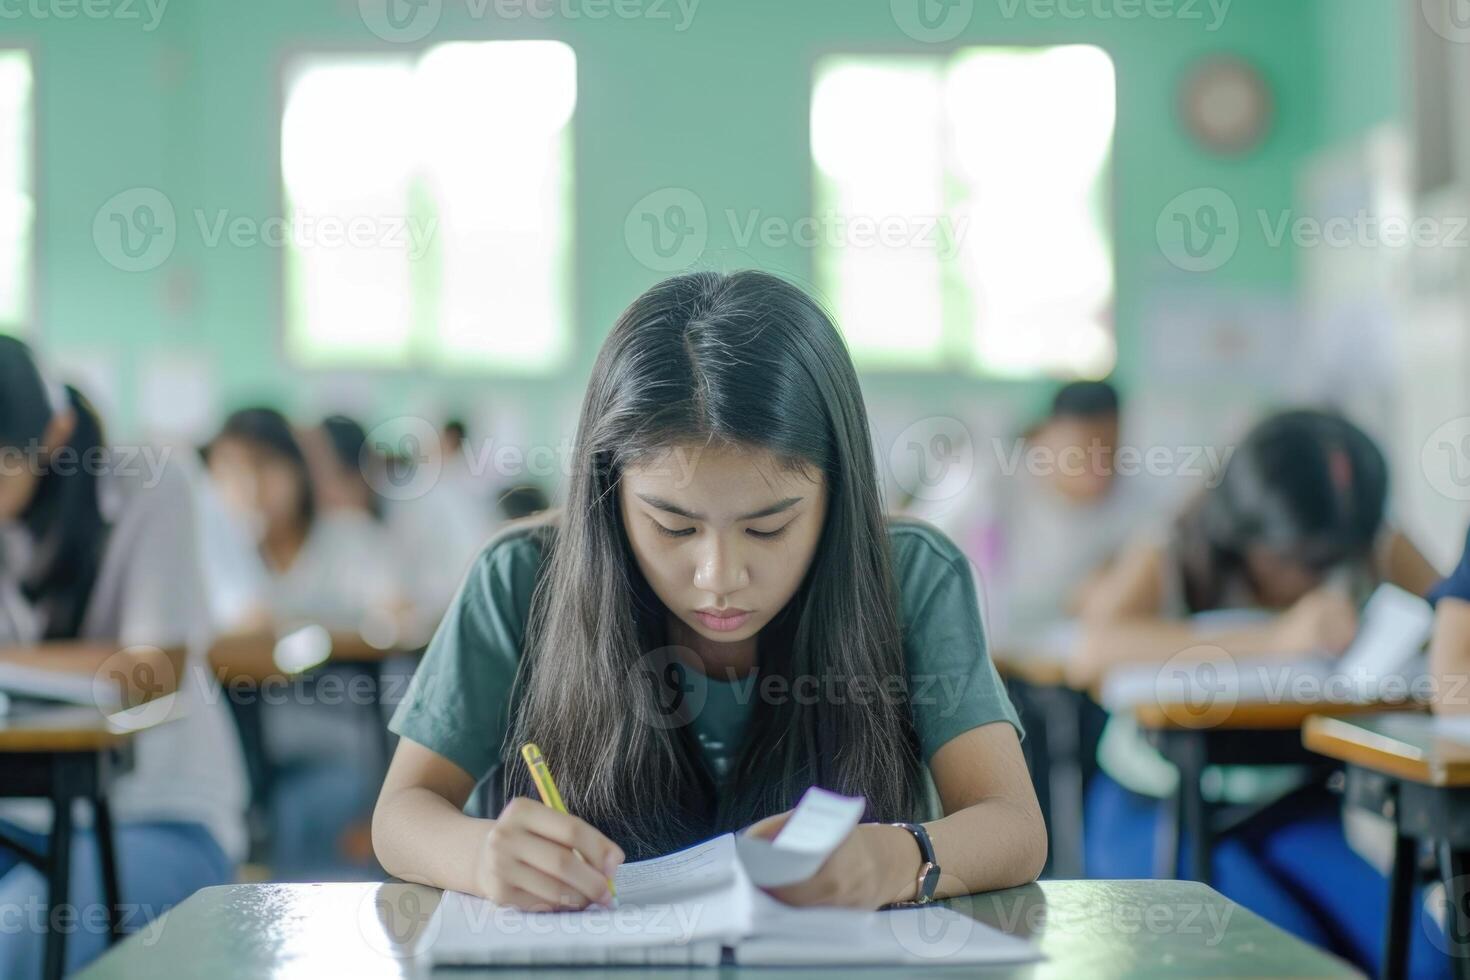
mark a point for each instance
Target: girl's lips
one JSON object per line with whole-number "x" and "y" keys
{"x": 722, "y": 624}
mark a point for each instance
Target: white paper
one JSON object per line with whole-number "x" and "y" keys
{"x": 58, "y": 685}
{"x": 1395, "y": 625}
{"x": 683, "y": 908}
{"x": 930, "y": 935}
{"x": 1456, "y": 728}
{"x": 686, "y": 907}
{"x": 820, "y": 823}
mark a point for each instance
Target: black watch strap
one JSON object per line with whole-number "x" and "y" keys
{"x": 927, "y": 880}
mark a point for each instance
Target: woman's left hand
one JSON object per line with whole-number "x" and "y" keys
{"x": 876, "y": 864}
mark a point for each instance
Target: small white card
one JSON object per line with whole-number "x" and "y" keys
{"x": 821, "y": 822}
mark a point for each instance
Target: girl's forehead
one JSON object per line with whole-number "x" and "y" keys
{"x": 724, "y": 477}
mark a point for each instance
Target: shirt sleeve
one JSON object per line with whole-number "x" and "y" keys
{"x": 953, "y": 684}
{"x": 458, "y": 703}
{"x": 153, "y": 560}
{"x": 1457, "y": 584}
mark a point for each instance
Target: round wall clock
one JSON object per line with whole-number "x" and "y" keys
{"x": 1226, "y": 105}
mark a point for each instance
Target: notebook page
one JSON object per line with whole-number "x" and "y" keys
{"x": 662, "y": 879}
{"x": 687, "y": 904}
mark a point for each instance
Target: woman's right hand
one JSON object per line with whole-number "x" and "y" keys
{"x": 1323, "y": 619}
{"x": 526, "y": 860}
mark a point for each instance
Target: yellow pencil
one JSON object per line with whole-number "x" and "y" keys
{"x": 541, "y": 776}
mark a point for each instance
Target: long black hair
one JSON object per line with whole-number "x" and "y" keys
{"x": 746, "y": 360}
{"x": 1307, "y": 485}
{"x": 64, "y": 517}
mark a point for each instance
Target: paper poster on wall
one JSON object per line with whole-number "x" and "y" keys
{"x": 176, "y": 396}
{"x": 1216, "y": 336}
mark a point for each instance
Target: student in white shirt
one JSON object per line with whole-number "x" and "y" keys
{"x": 1052, "y": 515}
{"x": 330, "y": 565}
{"x": 100, "y": 576}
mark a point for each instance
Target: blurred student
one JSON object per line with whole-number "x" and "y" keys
{"x": 1449, "y": 650}
{"x": 1045, "y": 531}
{"x": 331, "y": 569}
{"x": 1295, "y": 533}
{"x": 525, "y": 500}
{"x": 438, "y": 529}
{"x": 100, "y": 576}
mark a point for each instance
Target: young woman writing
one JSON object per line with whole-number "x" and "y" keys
{"x": 722, "y": 536}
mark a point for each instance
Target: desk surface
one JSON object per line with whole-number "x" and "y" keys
{"x": 1085, "y": 928}
{"x": 65, "y": 729}
{"x": 1256, "y": 715}
{"x": 1403, "y": 745}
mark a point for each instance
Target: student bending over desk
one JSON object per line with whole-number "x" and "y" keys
{"x": 94, "y": 558}
{"x": 723, "y": 539}
{"x": 1449, "y": 650}
{"x": 1295, "y": 530}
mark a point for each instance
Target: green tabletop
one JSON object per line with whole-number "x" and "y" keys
{"x": 1091, "y": 929}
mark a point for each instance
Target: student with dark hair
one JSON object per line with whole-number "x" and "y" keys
{"x": 1040, "y": 531}
{"x": 521, "y": 501}
{"x": 100, "y": 576}
{"x": 1294, "y": 534}
{"x": 723, "y": 524}
{"x": 330, "y": 565}
{"x": 344, "y": 467}
{"x": 452, "y": 437}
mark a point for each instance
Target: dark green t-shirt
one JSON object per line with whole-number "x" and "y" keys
{"x": 458, "y": 703}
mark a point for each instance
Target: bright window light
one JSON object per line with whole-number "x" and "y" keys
{"x": 988, "y": 167}
{"x": 17, "y": 203}
{"x": 456, "y": 167}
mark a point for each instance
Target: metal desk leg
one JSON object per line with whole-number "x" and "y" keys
{"x": 1400, "y": 905}
{"x": 1064, "y": 751}
{"x": 1195, "y": 813}
{"x": 1453, "y": 865}
{"x": 58, "y": 878}
{"x": 1186, "y": 812}
{"x": 1166, "y": 838}
{"x": 107, "y": 853}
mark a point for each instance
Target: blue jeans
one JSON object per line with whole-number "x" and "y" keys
{"x": 159, "y": 865}
{"x": 1290, "y": 864}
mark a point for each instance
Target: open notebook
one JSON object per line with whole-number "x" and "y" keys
{"x": 703, "y": 905}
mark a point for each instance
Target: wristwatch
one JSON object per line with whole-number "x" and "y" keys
{"x": 928, "y": 872}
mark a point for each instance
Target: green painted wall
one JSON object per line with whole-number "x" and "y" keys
{"x": 1362, "y": 62}
{"x": 191, "y": 108}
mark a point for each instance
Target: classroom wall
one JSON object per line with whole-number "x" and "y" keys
{"x": 1361, "y": 65}
{"x": 191, "y": 108}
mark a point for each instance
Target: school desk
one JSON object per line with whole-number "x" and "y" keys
{"x": 1095, "y": 929}
{"x": 251, "y": 674}
{"x": 1398, "y": 766}
{"x": 1058, "y": 750}
{"x": 1241, "y": 734}
{"x": 64, "y": 754}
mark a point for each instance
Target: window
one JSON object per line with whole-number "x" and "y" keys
{"x": 17, "y": 201}
{"x": 428, "y": 202}
{"x": 967, "y": 195}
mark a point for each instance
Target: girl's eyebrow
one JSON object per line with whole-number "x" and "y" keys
{"x": 673, "y": 508}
